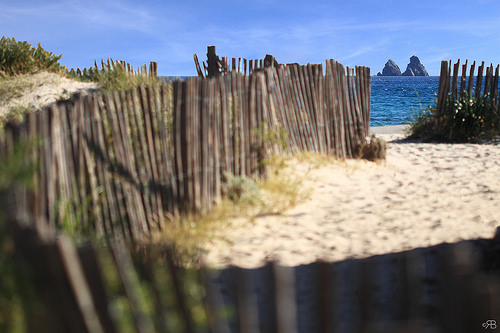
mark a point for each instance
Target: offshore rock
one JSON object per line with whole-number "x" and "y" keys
{"x": 415, "y": 68}
{"x": 390, "y": 69}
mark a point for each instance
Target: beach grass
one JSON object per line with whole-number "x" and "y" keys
{"x": 117, "y": 79}
{"x": 465, "y": 119}
{"x": 12, "y": 87}
{"x": 270, "y": 196}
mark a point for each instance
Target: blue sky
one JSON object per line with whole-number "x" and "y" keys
{"x": 354, "y": 32}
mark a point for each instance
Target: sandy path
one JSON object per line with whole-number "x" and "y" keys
{"x": 424, "y": 194}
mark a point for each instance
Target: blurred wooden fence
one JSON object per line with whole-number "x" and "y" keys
{"x": 468, "y": 84}
{"x": 124, "y": 163}
{"x": 105, "y": 289}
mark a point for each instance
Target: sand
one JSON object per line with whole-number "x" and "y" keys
{"x": 37, "y": 90}
{"x": 423, "y": 194}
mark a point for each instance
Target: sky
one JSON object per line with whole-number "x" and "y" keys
{"x": 353, "y": 32}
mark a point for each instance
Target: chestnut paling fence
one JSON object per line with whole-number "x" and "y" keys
{"x": 474, "y": 85}
{"x": 126, "y": 163}
{"x": 136, "y": 158}
{"x": 91, "y": 73}
{"x": 215, "y": 65}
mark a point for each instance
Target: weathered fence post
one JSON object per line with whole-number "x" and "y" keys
{"x": 213, "y": 62}
{"x": 197, "y": 64}
{"x": 444, "y": 84}
{"x": 270, "y": 61}
{"x": 153, "y": 69}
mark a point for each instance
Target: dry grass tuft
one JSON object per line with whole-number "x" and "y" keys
{"x": 273, "y": 195}
{"x": 373, "y": 149}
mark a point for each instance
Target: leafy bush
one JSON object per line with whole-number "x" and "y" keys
{"x": 20, "y": 57}
{"x": 465, "y": 119}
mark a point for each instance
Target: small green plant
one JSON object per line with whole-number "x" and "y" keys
{"x": 277, "y": 136}
{"x": 465, "y": 119}
{"x": 20, "y": 57}
{"x": 241, "y": 189}
{"x": 273, "y": 138}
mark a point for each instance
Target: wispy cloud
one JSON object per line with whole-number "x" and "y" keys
{"x": 114, "y": 14}
{"x": 86, "y": 15}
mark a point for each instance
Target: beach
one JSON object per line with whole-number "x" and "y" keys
{"x": 423, "y": 194}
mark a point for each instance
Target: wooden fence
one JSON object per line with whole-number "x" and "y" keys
{"x": 92, "y": 72}
{"x": 443, "y": 288}
{"x": 125, "y": 163}
{"x": 473, "y": 85}
{"x": 215, "y": 65}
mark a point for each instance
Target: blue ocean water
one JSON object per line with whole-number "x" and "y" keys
{"x": 394, "y": 99}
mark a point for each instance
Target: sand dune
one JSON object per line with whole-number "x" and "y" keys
{"x": 38, "y": 90}
{"x": 424, "y": 194}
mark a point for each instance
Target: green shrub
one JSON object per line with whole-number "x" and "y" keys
{"x": 241, "y": 189}
{"x": 20, "y": 57}
{"x": 465, "y": 119}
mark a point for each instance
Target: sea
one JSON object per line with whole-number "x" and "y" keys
{"x": 396, "y": 99}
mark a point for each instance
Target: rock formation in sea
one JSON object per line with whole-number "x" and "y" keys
{"x": 415, "y": 68}
{"x": 390, "y": 69}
